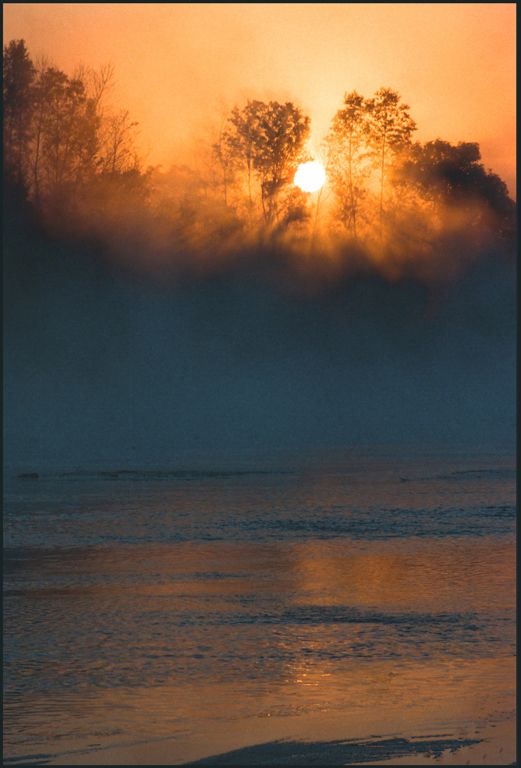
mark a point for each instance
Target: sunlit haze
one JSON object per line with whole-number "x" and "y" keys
{"x": 181, "y": 66}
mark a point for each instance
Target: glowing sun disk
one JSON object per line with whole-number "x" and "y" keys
{"x": 310, "y": 176}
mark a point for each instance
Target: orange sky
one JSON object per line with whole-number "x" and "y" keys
{"x": 179, "y": 66}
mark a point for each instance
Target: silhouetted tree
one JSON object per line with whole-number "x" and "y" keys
{"x": 268, "y": 138}
{"x": 282, "y": 131}
{"x": 241, "y": 138}
{"x": 19, "y": 73}
{"x": 224, "y": 151}
{"x": 347, "y": 150}
{"x": 97, "y": 83}
{"x": 390, "y": 128}
{"x": 447, "y": 174}
{"x": 65, "y": 127}
{"x": 118, "y": 148}
{"x": 69, "y": 128}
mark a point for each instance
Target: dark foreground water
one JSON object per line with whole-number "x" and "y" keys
{"x": 357, "y": 611}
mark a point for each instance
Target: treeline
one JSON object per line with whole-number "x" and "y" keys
{"x": 75, "y": 158}
{"x": 379, "y": 177}
{"x": 60, "y": 136}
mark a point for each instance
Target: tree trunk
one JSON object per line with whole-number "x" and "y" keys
{"x": 382, "y": 174}
{"x": 250, "y": 200}
{"x": 37, "y": 161}
{"x": 352, "y": 204}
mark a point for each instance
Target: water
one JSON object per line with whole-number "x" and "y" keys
{"x": 163, "y": 617}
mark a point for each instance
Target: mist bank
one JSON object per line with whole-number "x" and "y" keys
{"x": 110, "y": 367}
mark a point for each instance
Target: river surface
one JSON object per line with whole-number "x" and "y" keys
{"x": 357, "y": 610}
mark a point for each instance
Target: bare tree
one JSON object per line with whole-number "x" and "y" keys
{"x": 119, "y": 153}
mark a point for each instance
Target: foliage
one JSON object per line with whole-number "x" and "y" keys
{"x": 453, "y": 175}
{"x": 267, "y": 140}
{"x": 57, "y": 135}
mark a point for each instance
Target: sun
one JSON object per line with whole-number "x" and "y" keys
{"x": 310, "y": 176}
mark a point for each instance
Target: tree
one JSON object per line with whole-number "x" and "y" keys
{"x": 279, "y": 143}
{"x": 97, "y": 83}
{"x": 390, "y": 128}
{"x": 19, "y": 73}
{"x": 118, "y": 153}
{"x": 67, "y": 133}
{"x": 267, "y": 138}
{"x": 65, "y": 123}
{"x": 226, "y": 156}
{"x": 454, "y": 176}
{"x": 42, "y": 88}
{"x": 347, "y": 151}
{"x": 241, "y": 139}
